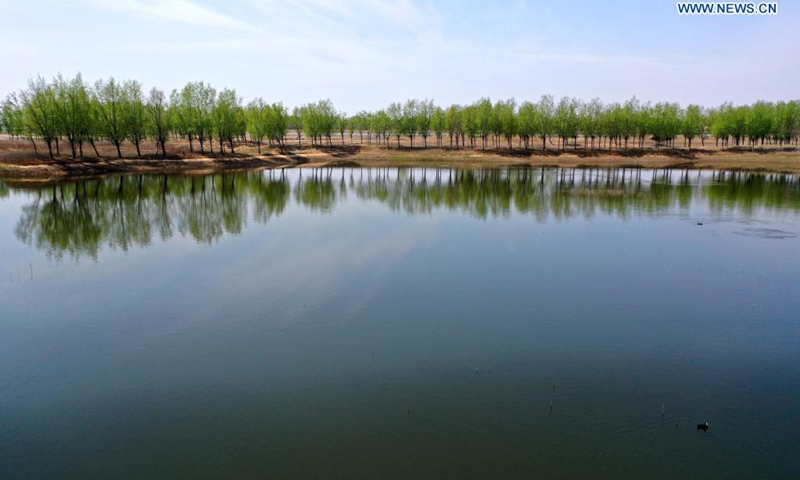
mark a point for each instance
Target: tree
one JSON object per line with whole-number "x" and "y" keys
{"x": 471, "y": 126}
{"x": 181, "y": 114}
{"x": 644, "y": 120}
{"x": 760, "y": 120}
{"x": 159, "y": 121}
{"x": 202, "y": 102}
{"x": 277, "y": 123}
{"x": 395, "y": 115}
{"x": 545, "y": 116}
{"x": 453, "y": 123}
{"x": 408, "y": 120}
{"x": 319, "y": 120}
{"x": 666, "y": 122}
{"x": 110, "y": 103}
{"x": 257, "y": 121}
{"x": 341, "y": 124}
{"x": 786, "y": 121}
{"x": 566, "y": 120}
{"x": 691, "y": 124}
{"x": 11, "y": 116}
{"x": 506, "y": 119}
{"x": 718, "y": 124}
{"x": 425, "y": 110}
{"x": 381, "y": 124}
{"x": 72, "y": 102}
{"x": 483, "y": 119}
{"x": 590, "y": 120}
{"x": 438, "y": 124}
{"x": 628, "y": 119}
{"x": 527, "y": 122}
{"x": 134, "y": 111}
{"x": 40, "y": 111}
{"x": 226, "y": 118}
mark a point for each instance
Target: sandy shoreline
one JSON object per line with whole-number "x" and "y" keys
{"x": 42, "y": 169}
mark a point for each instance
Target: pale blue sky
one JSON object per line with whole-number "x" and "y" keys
{"x": 363, "y": 54}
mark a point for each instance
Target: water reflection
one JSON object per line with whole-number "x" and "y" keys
{"x": 79, "y": 219}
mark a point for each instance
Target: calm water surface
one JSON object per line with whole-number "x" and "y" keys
{"x": 401, "y": 324}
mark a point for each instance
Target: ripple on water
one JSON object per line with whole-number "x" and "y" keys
{"x": 771, "y": 233}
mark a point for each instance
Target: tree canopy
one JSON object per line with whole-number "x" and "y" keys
{"x": 76, "y": 112}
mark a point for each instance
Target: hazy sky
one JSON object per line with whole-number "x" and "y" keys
{"x": 364, "y": 54}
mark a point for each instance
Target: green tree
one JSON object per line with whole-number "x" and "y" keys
{"x": 277, "y": 123}
{"x": 590, "y": 116}
{"x": 111, "y": 109}
{"x": 341, "y": 124}
{"x": 453, "y": 123}
{"x": 760, "y": 121}
{"x": 408, "y": 120}
{"x": 644, "y": 120}
{"x": 438, "y": 124}
{"x": 527, "y": 122}
{"x": 691, "y": 124}
{"x": 381, "y": 124}
{"x": 40, "y": 111}
{"x": 257, "y": 121}
{"x": 226, "y": 118}
{"x": 666, "y": 123}
{"x": 159, "y": 120}
{"x": 484, "y": 114}
{"x": 395, "y": 116}
{"x": 12, "y": 122}
{"x": 566, "y": 123}
{"x": 203, "y": 101}
{"x": 425, "y": 111}
{"x": 72, "y": 101}
{"x": 506, "y": 119}
{"x": 786, "y": 121}
{"x": 134, "y": 112}
{"x": 471, "y": 127}
{"x": 545, "y": 118}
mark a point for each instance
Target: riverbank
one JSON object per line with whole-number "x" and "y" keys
{"x": 15, "y": 165}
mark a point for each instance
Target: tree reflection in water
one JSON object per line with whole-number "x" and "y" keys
{"x": 78, "y": 219}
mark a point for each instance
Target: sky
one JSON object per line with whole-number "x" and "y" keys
{"x": 365, "y": 54}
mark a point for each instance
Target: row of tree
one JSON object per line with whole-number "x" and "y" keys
{"x": 71, "y": 110}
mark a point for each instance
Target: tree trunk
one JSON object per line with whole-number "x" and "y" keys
{"x": 94, "y": 147}
{"x": 50, "y": 148}
{"x": 119, "y": 151}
